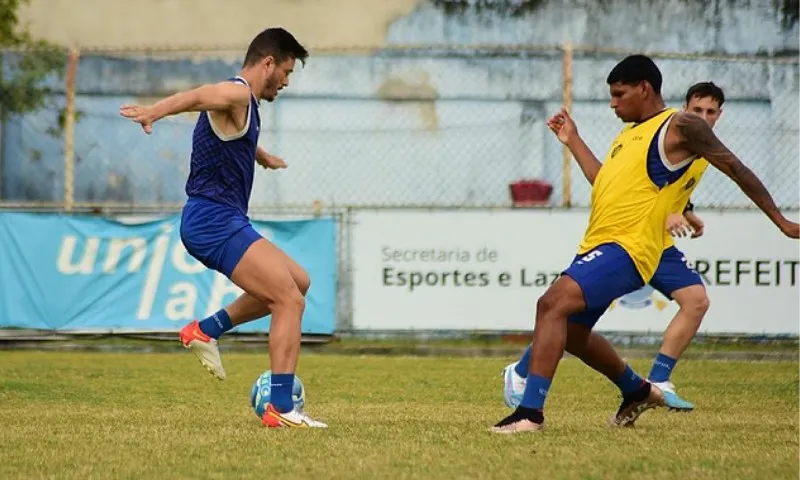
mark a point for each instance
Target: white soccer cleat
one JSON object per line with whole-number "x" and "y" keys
{"x": 513, "y": 386}
{"x": 204, "y": 348}
{"x": 292, "y": 419}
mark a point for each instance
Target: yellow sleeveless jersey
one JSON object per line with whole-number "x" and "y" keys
{"x": 682, "y": 191}
{"x": 630, "y": 196}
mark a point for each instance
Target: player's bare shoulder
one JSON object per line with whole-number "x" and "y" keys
{"x": 697, "y": 138}
{"x": 693, "y": 131}
{"x": 688, "y": 135}
{"x": 236, "y": 96}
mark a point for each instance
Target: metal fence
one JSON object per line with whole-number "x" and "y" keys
{"x": 422, "y": 126}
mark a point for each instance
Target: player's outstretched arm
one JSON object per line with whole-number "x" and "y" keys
{"x": 567, "y": 133}
{"x": 212, "y": 97}
{"x": 699, "y": 139}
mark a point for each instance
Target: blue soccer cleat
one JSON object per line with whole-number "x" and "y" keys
{"x": 671, "y": 399}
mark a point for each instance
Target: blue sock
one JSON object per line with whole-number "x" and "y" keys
{"x": 522, "y": 366}
{"x": 217, "y": 324}
{"x": 662, "y": 368}
{"x": 281, "y": 391}
{"x": 535, "y": 392}
{"x": 629, "y": 381}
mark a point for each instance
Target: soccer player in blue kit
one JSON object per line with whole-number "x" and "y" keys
{"x": 215, "y": 228}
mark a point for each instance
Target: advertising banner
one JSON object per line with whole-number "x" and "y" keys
{"x": 62, "y": 272}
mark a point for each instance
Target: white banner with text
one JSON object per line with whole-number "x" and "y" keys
{"x": 485, "y": 270}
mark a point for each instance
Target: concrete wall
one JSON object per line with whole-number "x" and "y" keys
{"x": 154, "y": 23}
{"x": 435, "y": 128}
{"x": 731, "y": 26}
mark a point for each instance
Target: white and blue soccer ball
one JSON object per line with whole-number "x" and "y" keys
{"x": 259, "y": 394}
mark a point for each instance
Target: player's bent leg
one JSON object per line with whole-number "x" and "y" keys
{"x": 563, "y": 298}
{"x": 515, "y": 374}
{"x": 675, "y": 279}
{"x": 218, "y": 238}
{"x": 595, "y": 351}
{"x": 694, "y": 304}
{"x": 605, "y": 274}
{"x": 247, "y": 307}
{"x": 201, "y": 337}
{"x": 589, "y": 285}
{"x": 263, "y": 273}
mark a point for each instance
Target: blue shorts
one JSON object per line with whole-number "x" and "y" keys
{"x": 604, "y": 274}
{"x": 216, "y": 234}
{"x": 674, "y": 273}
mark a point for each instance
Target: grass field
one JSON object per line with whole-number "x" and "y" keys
{"x": 127, "y": 415}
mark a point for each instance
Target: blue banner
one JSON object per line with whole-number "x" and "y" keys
{"x": 79, "y": 273}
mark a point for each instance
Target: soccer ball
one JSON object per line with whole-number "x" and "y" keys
{"x": 259, "y": 394}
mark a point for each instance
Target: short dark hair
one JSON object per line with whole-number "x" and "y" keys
{"x": 705, "y": 89}
{"x": 275, "y": 42}
{"x": 635, "y": 69}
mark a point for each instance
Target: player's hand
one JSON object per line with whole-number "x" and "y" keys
{"x": 143, "y": 115}
{"x": 272, "y": 162}
{"x": 677, "y": 226}
{"x": 698, "y": 227}
{"x": 790, "y": 229}
{"x": 563, "y": 126}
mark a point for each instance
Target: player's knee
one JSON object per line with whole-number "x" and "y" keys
{"x": 697, "y": 304}
{"x": 545, "y": 304}
{"x": 701, "y": 304}
{"x": 559, "y": 299}
{"x": 292, "y": 300}
{"x": 303, "y": 283}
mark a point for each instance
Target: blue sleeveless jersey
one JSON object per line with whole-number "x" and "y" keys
{"x": 222, "y": 168}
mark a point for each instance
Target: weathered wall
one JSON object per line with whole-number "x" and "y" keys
{"x": 732, "y": 26}
{"x": 149, "y": 23}
{"x": 439, "y": 128}
{"x": 729, "y": 26}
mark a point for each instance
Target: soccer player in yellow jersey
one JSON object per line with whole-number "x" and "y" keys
{"x": 673, "y": 277}
{"x": 632, "y": 196}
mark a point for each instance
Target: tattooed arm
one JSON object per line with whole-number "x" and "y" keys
{"x": 698, "y": 138}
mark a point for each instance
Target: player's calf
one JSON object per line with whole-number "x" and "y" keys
{"x": 694, "y": 303}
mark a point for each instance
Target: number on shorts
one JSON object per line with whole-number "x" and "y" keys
{"x": 591, "y": 255}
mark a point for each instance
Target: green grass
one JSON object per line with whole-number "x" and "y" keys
{"x": 705, "y": 347}
{"x": 123, "y": 415}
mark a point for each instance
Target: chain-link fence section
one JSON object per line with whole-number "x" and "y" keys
{"x": 426, "y": 127}
{"x": 34, "y": 117}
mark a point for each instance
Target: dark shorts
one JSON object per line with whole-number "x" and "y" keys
{"x": 604, "y": 274}
{"x": 674, "y": 273}
{"x": 217, "y": 235}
